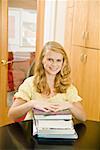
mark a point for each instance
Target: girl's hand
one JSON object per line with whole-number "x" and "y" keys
{"x": 62, "y": 106}
{"x": 43, "y": 105}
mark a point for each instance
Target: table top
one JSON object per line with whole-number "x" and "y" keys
{"x": 18, "y": 136}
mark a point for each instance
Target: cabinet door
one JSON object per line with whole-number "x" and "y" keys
{"x": 93, "y": 25}
{"x": 85, "y": 74}
{"x": 79, "y": 22}
{"x": 91, "y": 84}
{"x": 77, "y": 67}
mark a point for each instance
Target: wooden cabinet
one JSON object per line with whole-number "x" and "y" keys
{"x": 84, "y": 41}
{"x": 85, "y": 65}
{"x": 93, "y": 25}
{"x": 79, "y": 22}
{"x": 86, "y": 23}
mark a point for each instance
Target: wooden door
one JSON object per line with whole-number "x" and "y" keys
{"x": 85, "y": 75}
{"x": 93, "y": 25}
{"x": 79, "y": 22}
{"x": 3, "y": 56}
{"x": 4, "y": 52}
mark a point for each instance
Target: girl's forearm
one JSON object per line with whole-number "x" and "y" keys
{"x": 78, "y": 112}
{"x": 16, "y": 112}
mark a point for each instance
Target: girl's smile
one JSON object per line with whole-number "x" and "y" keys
{"x": 52, "y": 62}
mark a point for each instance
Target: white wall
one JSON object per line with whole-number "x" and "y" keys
{"x": 49, "y": 20}
{"x": 54, "y": 28}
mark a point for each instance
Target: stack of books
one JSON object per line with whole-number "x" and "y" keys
{"x": 54, "y": 125}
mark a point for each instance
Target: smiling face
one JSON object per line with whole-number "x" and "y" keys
{"x": 52, "y": 62}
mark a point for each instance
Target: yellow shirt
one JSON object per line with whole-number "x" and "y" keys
{"x": 28, "y": 92}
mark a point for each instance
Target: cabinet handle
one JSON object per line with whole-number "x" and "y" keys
{"x": 86, "y": 35}
{"x": 83, "y": 58}
{"x": 83, "y": 34}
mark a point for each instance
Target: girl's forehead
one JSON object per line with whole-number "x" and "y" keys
{"x": 51, "y": 53}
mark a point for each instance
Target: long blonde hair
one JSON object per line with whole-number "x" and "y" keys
{"x": 62, "y": 79}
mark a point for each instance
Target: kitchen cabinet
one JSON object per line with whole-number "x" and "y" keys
{"x": 84, "y": 49}
{"x": 85, "y": 65}
{"x": 86, "y": 23}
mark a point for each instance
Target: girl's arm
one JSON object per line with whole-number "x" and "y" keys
{"x": 20, "y": 107}
{"x": 76, "y": 109}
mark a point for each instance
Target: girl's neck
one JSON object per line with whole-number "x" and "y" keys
{"x": 50, "y": 81}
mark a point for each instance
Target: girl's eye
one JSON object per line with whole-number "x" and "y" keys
{"x": 50, "y": 59}
{"x": 58, "y": 60}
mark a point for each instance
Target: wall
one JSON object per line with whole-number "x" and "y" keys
{"x": 54, "y": 20}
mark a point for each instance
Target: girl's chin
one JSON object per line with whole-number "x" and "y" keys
{"x": 53, "y": 72}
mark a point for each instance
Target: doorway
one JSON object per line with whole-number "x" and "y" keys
{"x": 14, "y": 62}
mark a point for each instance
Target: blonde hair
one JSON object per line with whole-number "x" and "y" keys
{"x": 62, "y": 79}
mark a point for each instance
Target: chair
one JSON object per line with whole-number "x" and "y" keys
{"x": 30, "y": 73}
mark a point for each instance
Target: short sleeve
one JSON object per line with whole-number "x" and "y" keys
{"x": 25, "y": 90}
{"x": 72, "y": 94}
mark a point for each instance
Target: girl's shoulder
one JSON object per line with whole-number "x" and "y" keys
{"x": 72, "y": 93}
{"x": 72, "y": 87}
{"x": 29, "y": 81}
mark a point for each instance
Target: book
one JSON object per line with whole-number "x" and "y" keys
{"x": 55, "y": 125}
{"x": 56, "y": 131}
{"x": 41, "y": 115}
{"x": 57, "y": 136}
{"x": 59, "y": 124}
